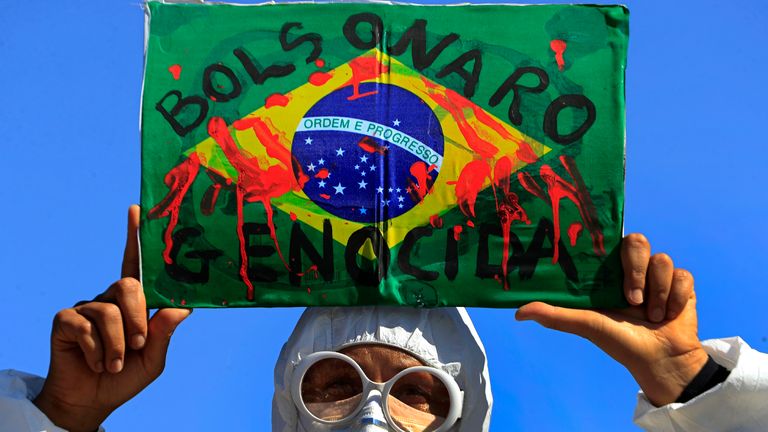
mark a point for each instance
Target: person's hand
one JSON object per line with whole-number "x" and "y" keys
{"x": 105, "y": 352}
{"x": 656, "y": 338}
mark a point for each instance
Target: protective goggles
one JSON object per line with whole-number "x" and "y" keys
{"x": 332, "y": 388}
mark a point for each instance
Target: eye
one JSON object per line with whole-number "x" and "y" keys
{"x": 330, "y": 380}
{"x": 422, "y": 391}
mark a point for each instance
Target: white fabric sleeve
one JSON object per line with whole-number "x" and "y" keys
{"x": 739, "y": 404}
{"x": 17, "y": 412}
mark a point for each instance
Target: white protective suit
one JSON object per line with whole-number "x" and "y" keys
{"x": 740, "y": 404}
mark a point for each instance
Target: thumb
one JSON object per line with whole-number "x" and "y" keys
{"x": 588, "y": 324}
{"x": 160, "y": 329}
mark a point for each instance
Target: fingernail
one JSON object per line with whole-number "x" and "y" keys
{"x": 137, "y": 342}
{"x": 99, "y": 366}
{"x": 636, "y": 295}
{"x": 117, "y": 365}
{"x": 657, "y": 315}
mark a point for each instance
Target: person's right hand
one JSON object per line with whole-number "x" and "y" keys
{"x": 105, "y": 352}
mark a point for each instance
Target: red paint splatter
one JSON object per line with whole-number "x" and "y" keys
{"x": 320, "y": 63}
{"x": 525, "y": 152}
{"x": 175, "y": 70}
{"x": 323, "y": 174}
{"x": 364, "y": 69}
{"x": 470, "y": 224}
{"x": 311, "y": 270}
{"x": 573, "y": 232}
{"x": 276, "y": 99}
{"x": 420, "y": 187}
{"x": 309, "y": 290}
{"x": 455, "y": 104}
{"x": 558, "y": 46}
{"x": 576, "y": 192}
{"x": 509, "y": 211}
{"x": 436, "y": 221}
{"x": 320, "y": 78}
{"x": 457, "y": 229}
{"x": 470, "y": 181}
{"x": 325, "y": 196}
{"x": 178, "y": 180}
{"x": 371, "y": 146}
{"x": 172, "y": 300}
{"x": 293, "y": 216}
{"x": 224, "y": 303}
{"x": 183, "y": 302}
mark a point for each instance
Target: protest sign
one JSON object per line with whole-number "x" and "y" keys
{"x": 345, "y": 154}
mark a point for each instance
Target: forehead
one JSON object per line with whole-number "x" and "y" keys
{"x": 381, "y": 362}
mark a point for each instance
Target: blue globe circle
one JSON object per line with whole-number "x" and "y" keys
{"x": 359, "y": 149}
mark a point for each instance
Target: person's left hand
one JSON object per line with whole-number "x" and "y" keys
{"x": 656, "y": 338}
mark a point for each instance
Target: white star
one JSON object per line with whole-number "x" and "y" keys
{"x": 321, "y": 183}
{"x": 400, "y": 199}
{"x": 364, "y": 159}
{"x": 385, "y": 202}
{"x": 339, "y": 151}
{"x": 399, "y": 206}
{"x": 398, "y": 190}
{"x": 396, "y": 122}
{"x": 357, "y": 167}
{"x": 308, "y": 140}
{"x": 390, "y": 190}
{"x": 373, "y": 167}
{"x": 363, "y": 211}
{"x": 311, "y": 167}
{"x": 321, "y": 161}
{"x": 362, "y": 184}
{"x": 362, "y": 173}
{"x": 339, "y": 189}
{"x": 380, "y": 189}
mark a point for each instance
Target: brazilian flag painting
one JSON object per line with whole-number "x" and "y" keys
{"x": 352, "y": 154}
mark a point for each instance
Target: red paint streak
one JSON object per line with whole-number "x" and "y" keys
{"x": 319, "y": 78}
{"x": 420, "y": 187}
{"x": 501, "y": 173}
{"x": 470, "y": 224}
{"x": 311, "y": 270}
{"x": 325, "y": 196}
{"x": 179, "y": 179}
{"x": 455, "y": 104}
{"x": 276, "y": 99}
{"x": 470, "y": 181}
{"x": 320, "y": 63}
{"x": 293, "y": 216}
{"x": 175, "y": 70}
{"x": 457, "y": 229}
{"x": 558, "y": 46}
{"x": 525, "y": 152}
{"x": 573, "y": 232}
{"x": 322, "y": 174}
{"x": 211, "y": 195}
{"x": 364, "y": 69}
{"x": 371, "y": 146}
{"x": 509, "y": 211}
{"x": 309, "y": 290}
{"x": 576, "y": 192}
{"x": 436, "y": 221}
{"x": 255, "y": 184}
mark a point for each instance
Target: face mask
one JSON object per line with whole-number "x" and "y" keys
{"x": 418, "y": 399}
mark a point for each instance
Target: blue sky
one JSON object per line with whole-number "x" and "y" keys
{"x": 71, "y": 82}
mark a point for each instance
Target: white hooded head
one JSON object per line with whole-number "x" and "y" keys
{"x": 442, "y": 337}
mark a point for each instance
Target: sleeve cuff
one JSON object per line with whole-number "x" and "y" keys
{"x": 17, "y": 412}
{"x": 740, "y": 403}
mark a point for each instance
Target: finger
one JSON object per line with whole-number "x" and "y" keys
{"x": 585, "y": 323}
{"x": 161, "y": 328}
{"x": 131, "y": 253}
{"x": 635, "y": 252}
{"x": 106, "y": 317}
{"x": 69, "y": 327}
{"x": 681, "y": 293}
{"x": 129, "y": 297}
{"x": 660, "y": 270}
